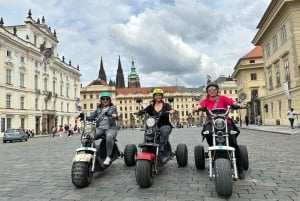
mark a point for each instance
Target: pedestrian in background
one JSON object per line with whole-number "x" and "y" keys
{"x": 291, "y": 115}
{"x": 61, "y": 132}
{"x": 53, "y": 131}
{"x": 247, "y": 120}
{"x": 258, "y": 119}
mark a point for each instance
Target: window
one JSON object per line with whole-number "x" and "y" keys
{"x": 8, "y": 101}
{"x": 61, "y": 90}
{"x": 2, "y": 124}
{"x": 91, "y": 106}
{"x": 8, "y": 53}
{"x": 270, "y": 78}
{"x": 22, "y": 100}
{"x": 45, "y": 68}
{"x": 23, "y": 123}
{"x": 36, "y": 104}
{"x": 274, "y": 41}
{"x": 286, "y": 70}
{"x": 8, "y": 76}
{"x": 8, "y": 122}
{"x": 45, "y": 85}
{"x": 67, "y": 92}
{"x": 22, "y": 77}
{"x": 36, "y": 82}
{"x": 253, "y": 76}
{"x": 54, "y": 88}
{"x": 277, "y": 72}
{"x": 268, "y": 53}
{"x": 22, "y": 59}
{"x": 91, "y": 96}
{"x": 84, "y": 106}
{"x": 283, "y": 33}
{"x": 34, "y": 40}
{"x": 252, "y": 61}
{"x": 36, "y": 64}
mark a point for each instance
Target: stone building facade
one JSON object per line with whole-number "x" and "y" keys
{"x": 38, "y": 89}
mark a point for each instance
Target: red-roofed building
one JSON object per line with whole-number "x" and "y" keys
{"x": 250, "y": 77}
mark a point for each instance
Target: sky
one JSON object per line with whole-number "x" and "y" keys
{"x": 172, "y": 42}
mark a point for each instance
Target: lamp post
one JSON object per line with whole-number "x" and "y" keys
{"x": 139, "y": 101}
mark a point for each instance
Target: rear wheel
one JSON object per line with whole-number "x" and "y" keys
{"x": 144, "y": 173}
{"x": 199, "y": 157}
{"x": 81, "y": 173}
{"x": 182, "y": 155}
{"x": 223, "y": 177}
{"x": 130, "y": 153}
{"x": 244, "y": 156}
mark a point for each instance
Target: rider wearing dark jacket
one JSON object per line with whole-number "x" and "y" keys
{"x": 159, "y": 106}
{"x": 212, "y": 101}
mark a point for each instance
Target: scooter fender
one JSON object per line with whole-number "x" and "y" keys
{"x": 145, "y": 156}
{"x": 85, "y": 157}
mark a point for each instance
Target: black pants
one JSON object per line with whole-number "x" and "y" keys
{"x": 232, "y": 142}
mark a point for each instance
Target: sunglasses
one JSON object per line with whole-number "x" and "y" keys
{"x": 212, "y": 89}
{"x": 105, "y": 99}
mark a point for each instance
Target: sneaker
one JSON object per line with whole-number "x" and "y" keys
{"x": 107, "y": 161}
{"x": 241, "y": 174}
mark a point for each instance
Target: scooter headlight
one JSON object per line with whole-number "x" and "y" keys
{"x": 220, "y": 124}
{"x": 150, "y": 122}
{"x": 89, "y": 128}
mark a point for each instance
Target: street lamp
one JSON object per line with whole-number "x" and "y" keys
{"x": 242, "y": 97}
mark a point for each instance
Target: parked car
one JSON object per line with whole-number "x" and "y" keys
{"x": 14, "y": 134}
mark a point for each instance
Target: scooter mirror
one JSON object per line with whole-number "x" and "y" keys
{"x": 170, "y": 99}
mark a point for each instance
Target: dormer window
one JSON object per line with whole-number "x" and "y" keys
{"x": 8, "y": 53}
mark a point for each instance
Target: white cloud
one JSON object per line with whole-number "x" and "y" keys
{"x": 177, "y": 41}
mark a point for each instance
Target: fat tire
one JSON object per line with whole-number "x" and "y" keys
{"x": 223, "y": 177}
{"x": 81, "y": 174}
{"x": 244, "y": 156}
{"x": 144, "y": 173}
{"x": 130, "y": 153}
{"x": 199, "y": 155}
{"x": 182, "y": 155}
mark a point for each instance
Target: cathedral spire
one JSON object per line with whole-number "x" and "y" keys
{"x": 102, "y": 75}
{"x": 120, "y": 83}
{"x": 133, "y": 77}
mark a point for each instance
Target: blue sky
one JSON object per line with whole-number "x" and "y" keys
{"x": 172, "y": 41}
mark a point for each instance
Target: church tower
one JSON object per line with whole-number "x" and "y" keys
{"x": 102, "y": 75}
{"x": 133, "y": 78}
{"x": 120, "y": 83}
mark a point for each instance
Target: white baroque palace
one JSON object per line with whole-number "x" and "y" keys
{"x": 38, "y": 89}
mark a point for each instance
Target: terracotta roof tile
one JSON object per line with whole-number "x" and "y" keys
{"x": 145, "y": 90}
{"x": 254, "y": 53}
{"x": 98, "y": 82}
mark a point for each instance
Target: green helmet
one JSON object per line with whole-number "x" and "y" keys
{"x": 105, "y": 94}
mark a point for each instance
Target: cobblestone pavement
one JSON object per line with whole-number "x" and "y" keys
{"x": 40, "y": 170}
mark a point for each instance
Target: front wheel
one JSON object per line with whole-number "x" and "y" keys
{"x": 244, "y": 156}
{"x": 199, "y": 157}
{"x": 130, "y": 153}
{"x": 182, "y": 155}
{"x": 82, "y": 173}
{"x": 223, "y": 177}
{"x": 144, "y": 173}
